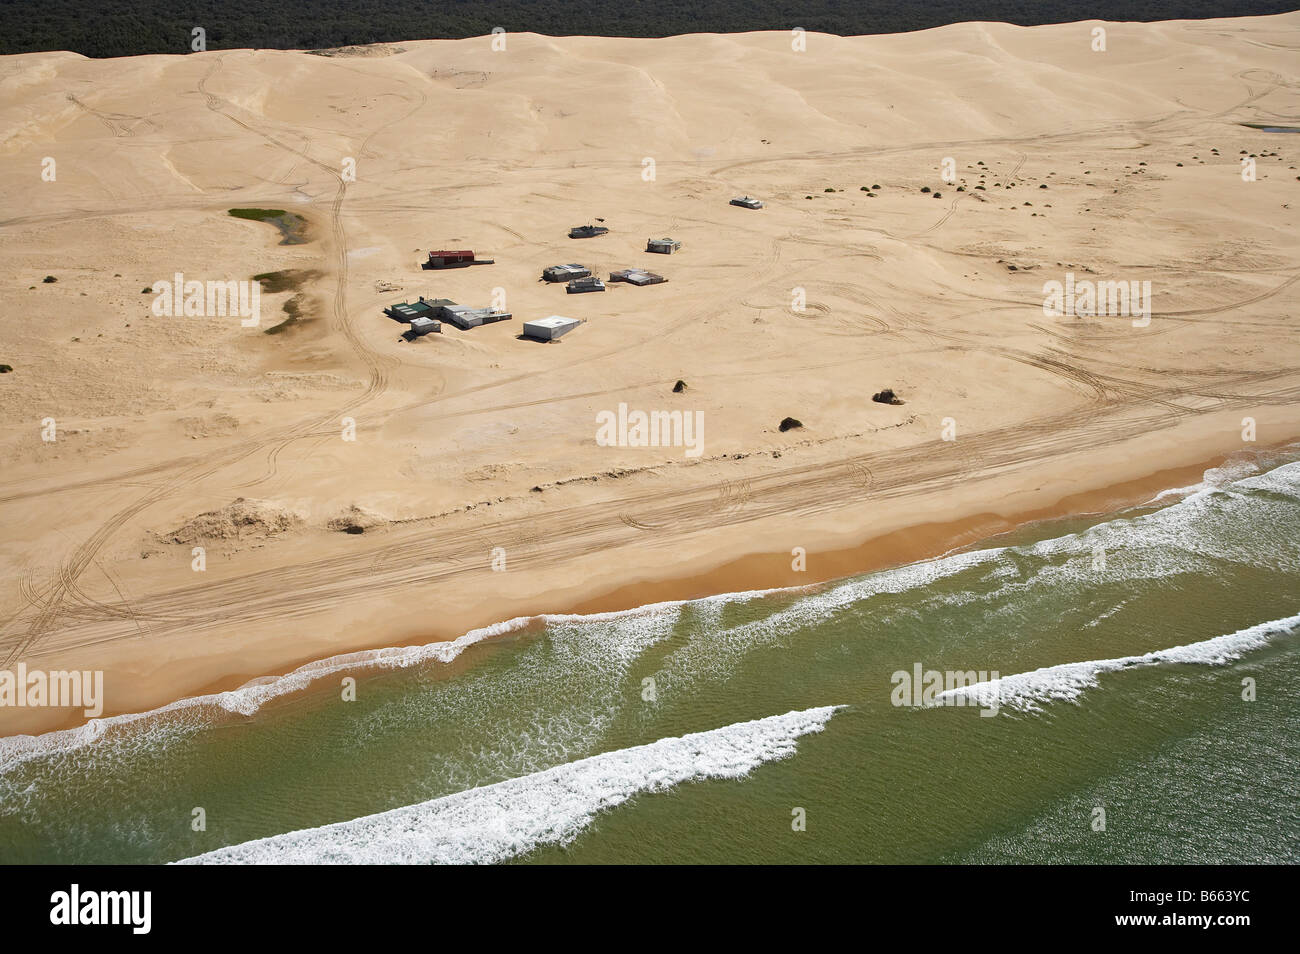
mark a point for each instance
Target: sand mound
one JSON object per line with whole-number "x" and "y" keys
{"x": 240, "y": 519}
{"x": 356, "y": 520}
{"x": 209, "y": 425}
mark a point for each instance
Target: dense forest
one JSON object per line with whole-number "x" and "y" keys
{"x": 130, "y": 27}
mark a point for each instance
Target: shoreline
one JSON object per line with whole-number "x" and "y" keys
{"x": 127, "y": 549}
{"x": 925, "y": 540}
{"x": 913, "y": 544}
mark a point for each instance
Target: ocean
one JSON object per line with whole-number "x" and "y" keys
{"x": 1115, "y": 688}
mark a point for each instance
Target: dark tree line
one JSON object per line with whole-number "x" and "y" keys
{"x": 131, "y": 27}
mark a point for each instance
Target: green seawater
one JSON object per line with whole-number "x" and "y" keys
{"x": 1189, "y": 761}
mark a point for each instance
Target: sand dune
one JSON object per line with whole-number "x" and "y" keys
{"x": 1123, "y": 165}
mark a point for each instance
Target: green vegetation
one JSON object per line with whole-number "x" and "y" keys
{"x": 293, "y": 228}
{"x": 282, "y": 326}
{"x": 289, "y": 279}
{"x": 258, "y": 215}
{"x": 133, "y": 27}
{"x": 294, "y": 309}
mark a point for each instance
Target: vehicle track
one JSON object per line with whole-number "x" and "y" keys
{"x": 427, "y": 554}
{"x": 67, "y": 586}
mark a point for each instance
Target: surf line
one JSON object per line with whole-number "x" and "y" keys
{"x": 1068, "y": 681}
{"x": 493, "y": 823}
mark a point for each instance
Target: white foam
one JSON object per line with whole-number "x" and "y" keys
{"x": 1243, "y": 472}
{"x": 713, "y": 653}
{"x": 250, "y": 697}
{"x": 1284, "y": 480}
{"x": 497, "y": 822}
{"x": 1187, "y": 536}
{"x": 1027, "y": 691}
{"x": 1229, "y": 471}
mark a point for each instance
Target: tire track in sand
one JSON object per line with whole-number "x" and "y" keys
{"x": 66, "y": 586}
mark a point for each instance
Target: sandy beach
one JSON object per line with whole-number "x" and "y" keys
{"x": 350, "y": 489}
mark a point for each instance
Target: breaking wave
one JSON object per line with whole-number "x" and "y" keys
{"x": 1028, "y": 691}
{"x": 497, "y": 822}
{"x": 197, "y": 712}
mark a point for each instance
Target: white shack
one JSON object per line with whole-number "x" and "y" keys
{"x": 548, "y": 329}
